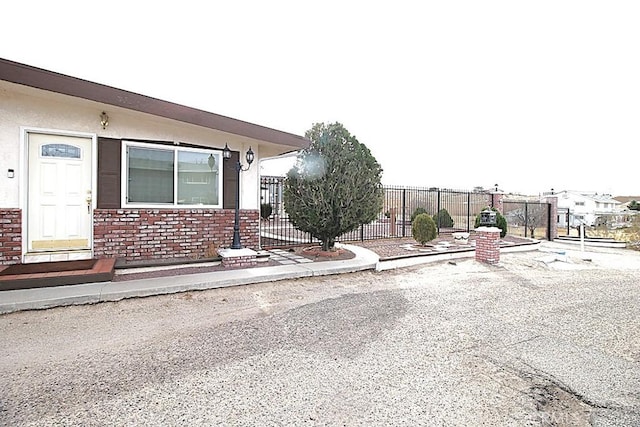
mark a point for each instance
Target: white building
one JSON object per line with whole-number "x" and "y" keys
{"x": 92, "y": 171}
{"x": 591, "y": 209}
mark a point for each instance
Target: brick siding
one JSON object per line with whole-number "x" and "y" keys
{"x": 149, "y": 234}
{"x": 239, "y": 261}
{"x": 10, "y": 236}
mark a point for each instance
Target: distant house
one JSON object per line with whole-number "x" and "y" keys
{"x": 591, "y": 209}
{"x": 92, "y": 171}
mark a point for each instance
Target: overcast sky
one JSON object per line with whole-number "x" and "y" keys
{"x": 529, "y": 95}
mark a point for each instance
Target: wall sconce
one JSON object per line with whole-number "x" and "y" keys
{"x": 104, "y": 120}
{"x": 10, "y": 173}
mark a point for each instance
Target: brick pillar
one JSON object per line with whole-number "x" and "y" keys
{"x": 488, "y": 244}
{"x": 496, "y": 201}
{"x": 238, "y": 258}
{"x": 553, "y": 216}
{"x": 10, "y": 236}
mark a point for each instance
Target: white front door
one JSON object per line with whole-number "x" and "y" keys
{"x": 59, "y": 214}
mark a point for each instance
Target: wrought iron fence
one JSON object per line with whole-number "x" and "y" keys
{"x": 458, "y": 210}
{"x": 528, "y": 219}
{"x": 569, "y": 221}
{"x": 566, "y": 221}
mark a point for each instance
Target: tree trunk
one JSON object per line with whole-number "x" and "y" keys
{"x": 328, "y": 244}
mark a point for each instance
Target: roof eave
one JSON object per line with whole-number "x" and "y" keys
{"x": 39, "y": 78}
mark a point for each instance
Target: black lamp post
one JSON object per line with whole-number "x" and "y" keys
{"x": 226, "y": 154}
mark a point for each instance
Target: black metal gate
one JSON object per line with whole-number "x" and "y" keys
{"x": 528, "y": 219}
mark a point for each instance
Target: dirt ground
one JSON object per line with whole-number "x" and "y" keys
{"x": 545, "y": 338}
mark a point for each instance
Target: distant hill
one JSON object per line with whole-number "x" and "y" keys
{"x": 627, "y": 199}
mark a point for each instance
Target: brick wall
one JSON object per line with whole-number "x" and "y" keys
{"x": 148, "y": 234}
{"x": 488, "y": 245}
{"x": 10, "y": 236}
{"x": 497, "y": 201}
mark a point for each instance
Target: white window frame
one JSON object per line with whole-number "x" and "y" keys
{"x": 175, "y": 205}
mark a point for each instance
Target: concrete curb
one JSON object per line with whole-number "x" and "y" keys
{"x": 599, "y": 243}
{"x": 91, "y": 293}
{"x": 429, "y": 258}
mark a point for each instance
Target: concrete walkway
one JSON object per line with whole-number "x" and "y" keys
{"x": 291, "y": 267}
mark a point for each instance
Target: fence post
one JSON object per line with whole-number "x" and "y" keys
{"x": 393, "y": 230}
{"x": 526, "y": 218}
{"x": 404, "y": 207}
{"x": 553, "y": 217}
{"x": 438, "y": 211}
{"x": 468, "y": 212}
{"x": 549, "y": 222}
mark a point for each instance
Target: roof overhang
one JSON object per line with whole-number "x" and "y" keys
{"x": 39, "y": 78}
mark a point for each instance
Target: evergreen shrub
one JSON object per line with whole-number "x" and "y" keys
{"x": 423, "y": 228}
{"x": 417, "y": 212}
{"x": 444, "y": 217}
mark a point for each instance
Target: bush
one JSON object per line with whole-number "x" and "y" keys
{"x": 500, "y": 220}
{"x": 443, "y": 218}
{"x": 423, "y": 228}
{"x": 417, "y": 212}
{"x": 265, "y": 210}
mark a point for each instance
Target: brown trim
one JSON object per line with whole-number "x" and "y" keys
{"x": 54, "y": 82}
{"x": 109, "y": 171}
{"x": 230, "y": 181}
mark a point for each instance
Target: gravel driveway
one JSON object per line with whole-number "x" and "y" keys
{"x": 528, "y": 342}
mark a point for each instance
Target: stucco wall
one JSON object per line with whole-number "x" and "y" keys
{"x": 21, "y": 106}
